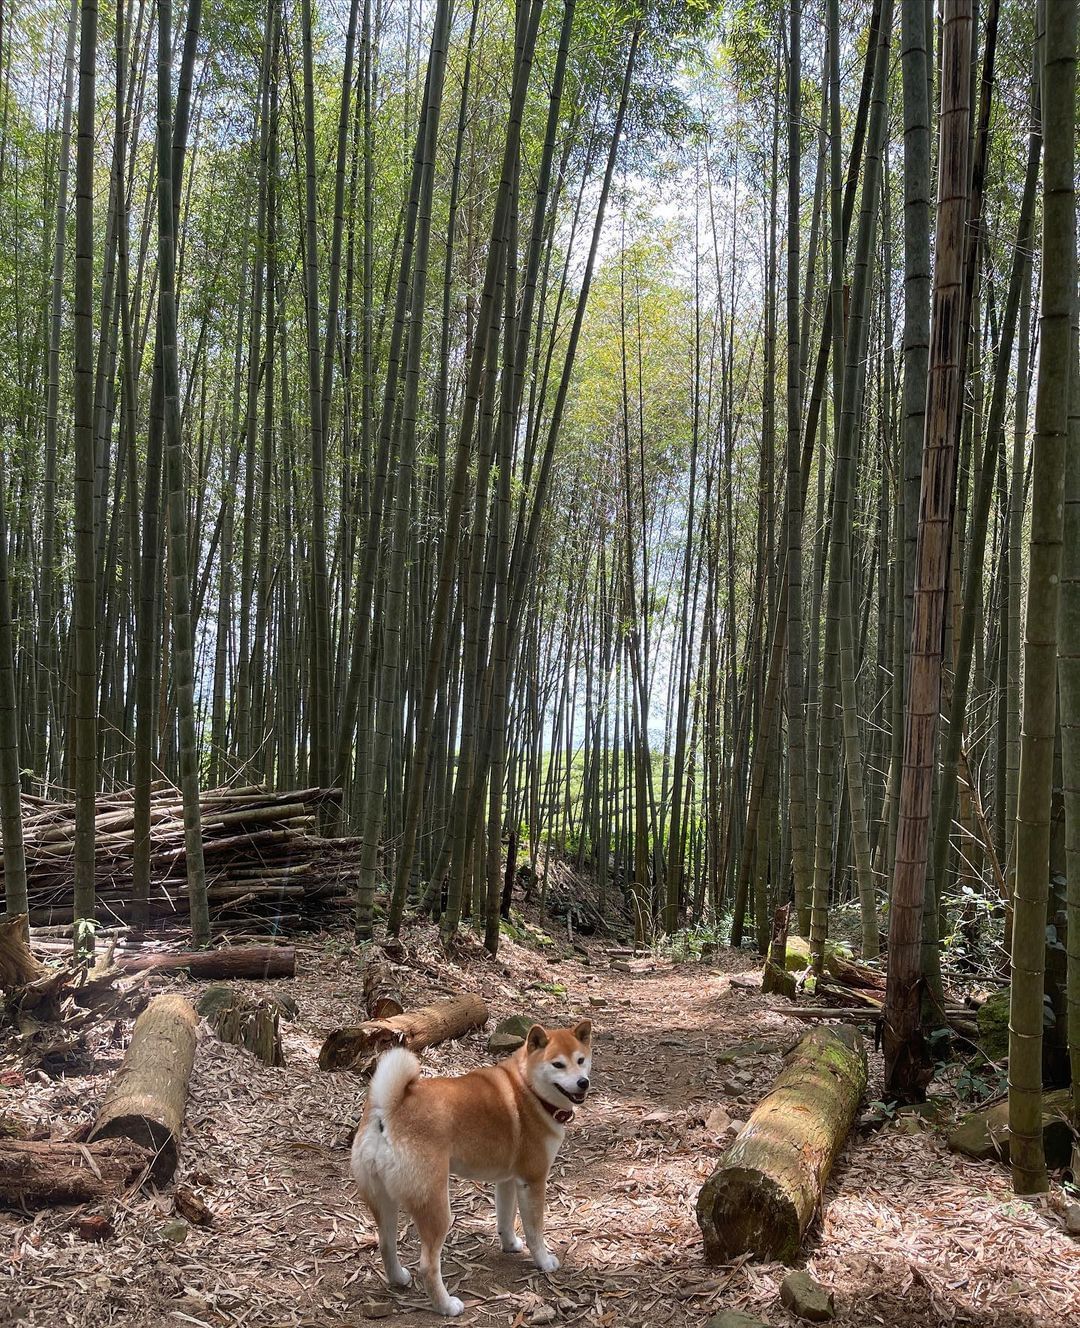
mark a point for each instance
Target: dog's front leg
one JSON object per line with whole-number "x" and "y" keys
{"x": 531, "y": 1196}
{"x": 506, "y": 1205}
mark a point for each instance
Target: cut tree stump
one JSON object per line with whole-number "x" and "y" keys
{"x": 382, "y": 999}
{"x": 775, "y": 977}
{"x": 29, "y": 987}
{"x": 254, "y": 962}
{"x": 769, "y": 1183}
{"x": 18, "y": 967}
{"x": 145, "y": 1100}
{"x": 352, "y": 1048}
{"x": 244, "y": 1021}
{"x": 45, "y": 1172}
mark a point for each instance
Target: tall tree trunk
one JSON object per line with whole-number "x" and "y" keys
{"x": 319, "y": 677}
{"x": 85, "y": 597}
{"x": 907, "y": 1058}
{"x": 1034, "y": 796}
{"x": 800, "y": 842}
{"x": 388, "y": 697}
{"x": 183, "y": 648}
{"x": 45, "y": 689}
{"x": 1069, "y": 685}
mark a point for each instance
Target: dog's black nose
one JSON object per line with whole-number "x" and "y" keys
{"x": 583, "y": 1084}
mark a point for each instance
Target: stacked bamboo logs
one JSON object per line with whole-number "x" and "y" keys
{"x": 265, "y": 859}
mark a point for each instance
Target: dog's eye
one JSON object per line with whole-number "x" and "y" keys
{"x": 559, "y": 1065}
{"x": 581, "y": 1060}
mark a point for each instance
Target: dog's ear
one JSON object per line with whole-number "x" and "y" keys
{"x": 583, "y": 1031}
{"x": 537, "y": 1039}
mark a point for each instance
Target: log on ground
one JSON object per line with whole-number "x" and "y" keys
{"x": 145, "y": 1100}
{"x": 382, "y": 999}
{"x": 352, "y": 1048}
{"x": 769, "y": 1183}
{"x": 253, "y": 962}
{"x": 41, "y": 1173}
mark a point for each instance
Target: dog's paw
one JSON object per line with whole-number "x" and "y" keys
{"x": 512, "y": 1244}
{"x": 401, "y": 1277}
{"x": 546, "y": 1261}
{"x": 452, "y": 1308}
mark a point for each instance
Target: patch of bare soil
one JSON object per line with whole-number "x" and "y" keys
{"x": 910, "y": 1235}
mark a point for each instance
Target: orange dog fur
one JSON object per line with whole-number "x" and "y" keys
{"x": 503, "y": 1123}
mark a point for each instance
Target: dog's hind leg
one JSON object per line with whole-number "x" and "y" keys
{"x": 396, "y": 1273}
{"x": 432, "y": 1218}
{"x": 505, "y": 1212}
{"x": 385, "y": 1211}
{"x": 531, "y": 1196}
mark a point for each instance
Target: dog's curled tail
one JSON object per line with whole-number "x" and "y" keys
{"x": 396, "y": 1070}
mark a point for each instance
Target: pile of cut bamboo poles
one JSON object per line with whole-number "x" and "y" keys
{"x": 265, "y": 860}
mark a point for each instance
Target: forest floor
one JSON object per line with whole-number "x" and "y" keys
{"x": 910, "y": 1234}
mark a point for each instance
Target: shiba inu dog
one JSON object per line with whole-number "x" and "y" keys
{"x": 503, "y": 1123}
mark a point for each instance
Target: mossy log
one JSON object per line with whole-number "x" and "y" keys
{"x": 382, "y": 999}
{"x": 145, "y": 1100}
{"x": 43, "y": 1172}
{"x": 798, "y": 954}
{"x": 244, "y": 1021}
{"x": 353, "y": 1048}
{"x": 769, "y": 1183}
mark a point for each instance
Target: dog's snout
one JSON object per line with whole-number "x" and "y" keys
{"x": 583, "y": 1083}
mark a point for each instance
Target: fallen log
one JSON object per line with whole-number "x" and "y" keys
{"x": 769, "y": 1183}
{"x": 831, "y": 1012}
{"x": 382, "y": 999}
{"x": 44, "y": 1172}
{"x": 862, "y": 997}
{"x": 851, "y": 974}
{"x": 251, "y": 961}
{"x": 145, "y": 1100}
{"x": 352, "y": 1048}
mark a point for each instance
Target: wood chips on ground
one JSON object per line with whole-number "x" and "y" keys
{"x": 909, "y": 1235}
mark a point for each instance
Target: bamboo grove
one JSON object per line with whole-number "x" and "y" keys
{"x": 630, "y": 431}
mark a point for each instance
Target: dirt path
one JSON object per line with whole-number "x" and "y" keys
{"x": 910, "y": 1234}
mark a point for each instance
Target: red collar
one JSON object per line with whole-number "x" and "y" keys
{"x": 563, "y": 1115}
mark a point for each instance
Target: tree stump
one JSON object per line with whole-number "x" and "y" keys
{"x": 353, "y": 1048}
{"x": 776, "y": 978}
{"x": 29, "y": 987}
{"x": 244, "y": 1021}
{"x": 145, "y": 1100}
{"x": 43, "y": 1172}
{"x": 769, "y": 1183}
{"x": 18, "y": 967}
